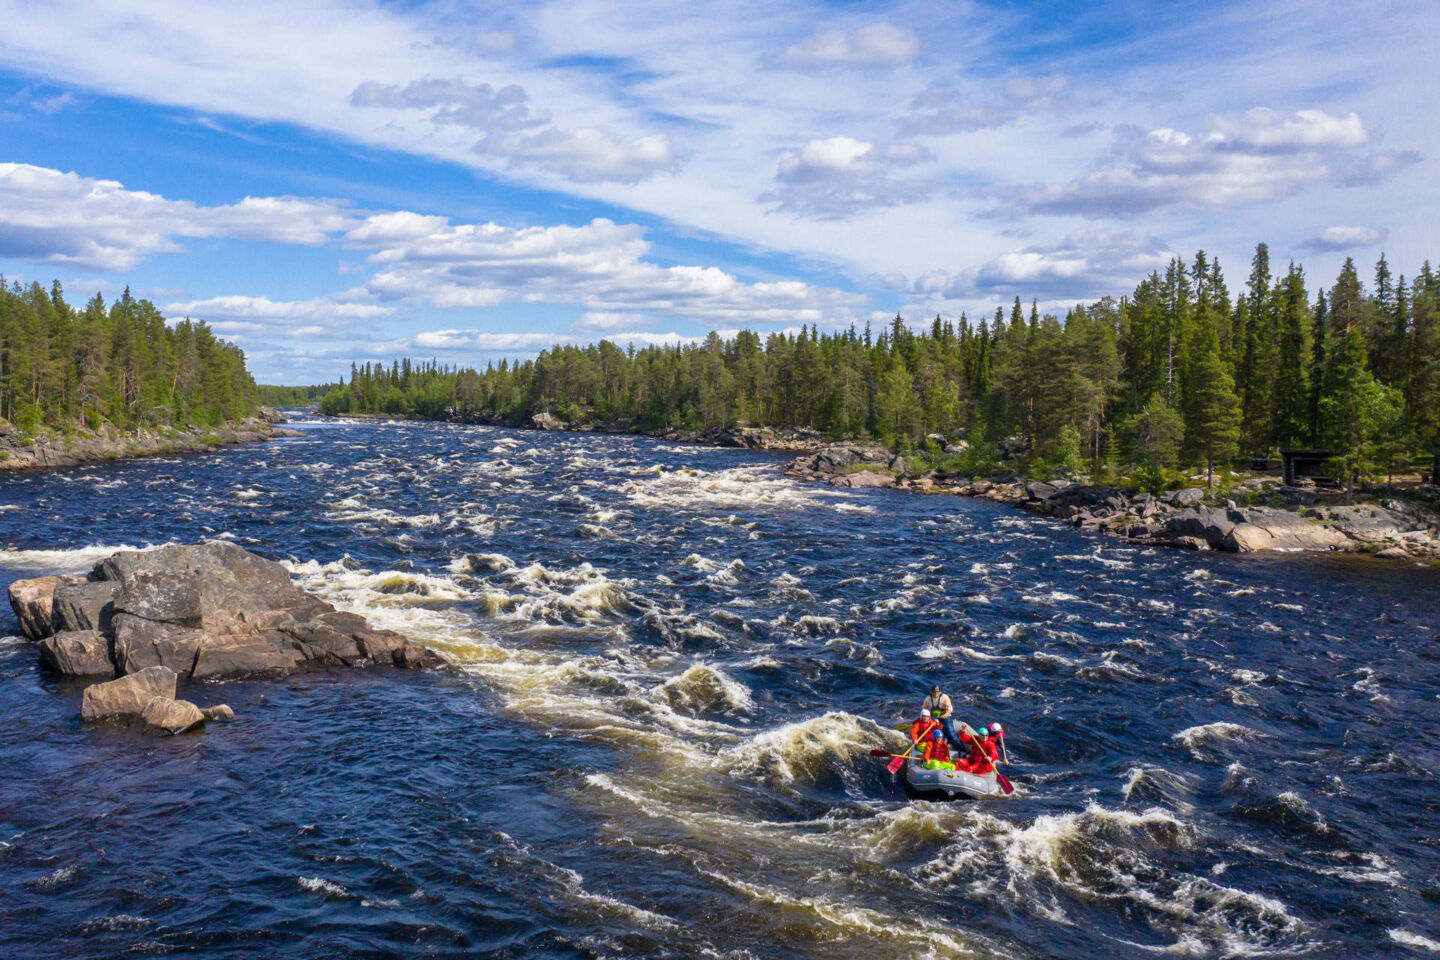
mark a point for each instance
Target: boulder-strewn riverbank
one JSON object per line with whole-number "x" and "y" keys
{"x": 781, "y": 439}
{"x": 107, "y": 443}
{"x": 1292, "y": 519}
{"x": 210, "y": 611}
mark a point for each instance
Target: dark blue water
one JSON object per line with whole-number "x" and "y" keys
{"x": 669, "y": 665}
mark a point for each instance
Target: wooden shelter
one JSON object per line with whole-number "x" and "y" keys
{"x": 1307, "y": 464}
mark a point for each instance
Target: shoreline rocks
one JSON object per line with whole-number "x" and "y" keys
{"x": 1177, "y": 518}
{"x": 107, "y": 443}
{"x": 190, "y": 613}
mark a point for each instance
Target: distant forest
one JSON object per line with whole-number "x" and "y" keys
{"x": 63, "y": 367}
{"x": 1179, "y": 372}
{"x": 274, "y": 396}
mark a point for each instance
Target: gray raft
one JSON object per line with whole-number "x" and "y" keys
{"x": 948, "y": 783}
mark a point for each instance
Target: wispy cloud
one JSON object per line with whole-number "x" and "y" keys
{"x": 834, "y": 178}
{"x": 1258, "y": 156}
{"x": 874, "y": 45}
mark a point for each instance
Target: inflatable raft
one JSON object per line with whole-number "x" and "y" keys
{"x": 944, "y": 782}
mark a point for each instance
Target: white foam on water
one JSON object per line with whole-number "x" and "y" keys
{"x": 78, "y": 560}
{"x": 806, "y": 751}
{"x": 1194, "y": 738}
{"x": 705, "y": 688}
{"x": 322, "y": 886}
{"x": 1409, "y": 939}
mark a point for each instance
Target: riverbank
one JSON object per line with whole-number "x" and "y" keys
{"x": 774, "y": 439}
{"x": 107, "y": 443}
{"x": 1258, "y": 515}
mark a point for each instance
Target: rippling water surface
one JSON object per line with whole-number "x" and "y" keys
{"x": 670, "y": 664}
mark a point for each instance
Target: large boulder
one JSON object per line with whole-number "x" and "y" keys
{"x": 129, "y": 695}
{"x": 1202, "y": 523}
{"x": 77, "y": 653}
{"x": 218, "y": 585}
{"x": 168, "y": 717}
{"x": 238, "y": 655}
{"x": 1248, "y": 538}
{"x": 141, "y": 643}
{"x": 87, "y": 605}
{"x": 33, "y": 603}
{"x": 1189, "y": 497}
{"x": 866, "y": 478}
{"x": 201, "y": 612}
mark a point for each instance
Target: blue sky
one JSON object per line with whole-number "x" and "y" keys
{"x": 337, "y": 181}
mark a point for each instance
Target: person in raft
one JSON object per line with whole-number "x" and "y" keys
{"x": 937, "y": 752}
{"x": 937, "y": 707}
{"x": 983, "y": 753}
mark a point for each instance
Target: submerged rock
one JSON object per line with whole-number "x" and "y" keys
{"x": 169, "y": 717}
{"x": 129, "y": 695}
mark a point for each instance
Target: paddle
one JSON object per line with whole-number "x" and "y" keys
{"x": 894, "y": 765}
{"x": 1006, "y": 787}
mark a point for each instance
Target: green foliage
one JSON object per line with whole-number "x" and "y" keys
{"x": 1156, "y": 432}
{"x": 123, "y": 363}
{"x": 1179, "y": 371}
{"x": 28, "y": 417}
{"x": 1150, "y": 476}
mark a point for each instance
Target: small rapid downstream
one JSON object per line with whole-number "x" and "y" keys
{"x": 671, "y": 663}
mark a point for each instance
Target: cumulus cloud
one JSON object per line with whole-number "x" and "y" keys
{"x": 1257, "y": 156}
{"x": 513, "y": 132}
{"x": 599, "y": 265}
{"x": 1346, "y": 238}
{"x": 875, "y": 45}
{"x": 834, "y": 178}
{"x": 317, "y": 318}
{"x": 51, "y": 217}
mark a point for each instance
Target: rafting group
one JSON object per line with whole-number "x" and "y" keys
{"x": 970, "y": 770}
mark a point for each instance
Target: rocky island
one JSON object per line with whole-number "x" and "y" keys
{"x": 145, "y": 620}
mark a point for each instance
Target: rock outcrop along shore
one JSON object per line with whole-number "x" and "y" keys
{"x": 106, "y": 444}
{"x": 200, "y": 612}
{"x": 1177, "y": 518}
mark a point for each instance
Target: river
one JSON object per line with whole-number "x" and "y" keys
{"x": 670, "y": 664}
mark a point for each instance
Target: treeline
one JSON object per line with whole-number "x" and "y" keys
{"x": 276, "y": 396}
{"x": 64, "y": 367}
{"x": 1179, "y": 372}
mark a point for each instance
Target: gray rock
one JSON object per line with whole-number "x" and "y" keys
{"x": 87, "y": 605}
{"x": 161, "y": 597}
{"x": 1188, "y": 497}
{"x": 244, "y": 655}
{"x": 1039, "y": 490}
{"x": 141, "y": 643}
{"x": 229, "y": 585}
{"x": 1191, "y": 543}
{"x": 220, "y": 711}
{"x": 867, "y": 478}
{"x": 1202, "y": 523}
{"x": 128, "y": 695}
{"x": 164, "y": 716}
{"x": 77, "y": 653}
{"x": 33, "y": 603}
{"x": 414, "y": 657}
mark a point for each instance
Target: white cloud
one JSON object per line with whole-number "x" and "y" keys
{"x": 51, "y": 217}
{"x": 940, "y": 110}
{"x": 1079, "y": 266}
{"x": 600, "y": 321}
{"x": 834, "y": 178}
{"x": 875, "y": 45}
{"x": 332, "y": 317}
{"x": 1346, "y": 238}
{"x": 512, "y": 132}
{"x": 598, "y": 265}
{"x": 1252, "y": 158}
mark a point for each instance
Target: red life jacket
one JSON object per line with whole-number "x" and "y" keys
{"x": 936, "y": 750}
